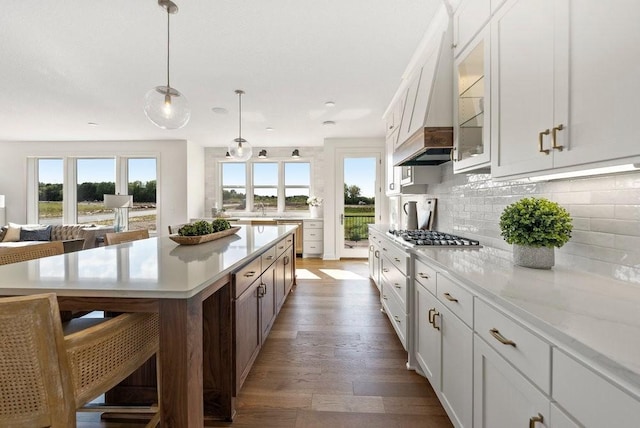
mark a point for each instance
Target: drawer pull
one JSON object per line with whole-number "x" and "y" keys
{"x": 423, "y": 275}
{"x": 262, "y": 290}
{"x": 395, "y": 317}
{"x": 377, "y": 254}
{"x": 384, "y": 296}
{"x": 534, "y": 419}
{"x": 281, "y": 247}
{"x": 385, "y": 270}
{"x": 397, "y": 286}
{"x": 396, "y": 259}
{"x": 269, "y": 257}
{"x": 450, "y": 298}
{"x": 500, "y": 338}
{"x": 249, "y": 274}
{"x": 384, "y": 249}
{"x": 431, "y": 311}
{"x": 540, "y": 141}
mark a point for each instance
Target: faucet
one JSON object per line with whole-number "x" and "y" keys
{"x": 261, "y": 204}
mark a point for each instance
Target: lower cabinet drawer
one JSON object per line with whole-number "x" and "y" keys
{"x": 521, "y": 347}
{"x": 589, "y": 398}
{"x": 245, "y": 276}
{"x": 312, "y": 247}
{"x": 395, "y": 280}
{"x": 457, "y": 298}
{"x": 397, "y": 316}
{"x": 269, "y": 256}
{"x": 312, "y": 234}
{"x": 425, "y": 275}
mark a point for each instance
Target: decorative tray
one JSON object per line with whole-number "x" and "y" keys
{"x": 199, "y": 239}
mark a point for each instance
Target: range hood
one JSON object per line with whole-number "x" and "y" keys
{"x": 427, "y": 146}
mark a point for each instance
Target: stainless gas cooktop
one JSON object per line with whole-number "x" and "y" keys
{"x": 432, "y": 238}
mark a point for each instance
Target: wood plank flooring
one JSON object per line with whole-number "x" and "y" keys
{"x": 332, "y": 359}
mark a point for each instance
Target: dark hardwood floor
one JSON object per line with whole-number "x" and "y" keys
{"x": 332, "y": 359}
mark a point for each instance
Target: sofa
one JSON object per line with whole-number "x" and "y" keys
{"x": 74, "y": 236}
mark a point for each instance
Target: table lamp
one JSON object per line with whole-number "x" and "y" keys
{"x": 119, "y": 203}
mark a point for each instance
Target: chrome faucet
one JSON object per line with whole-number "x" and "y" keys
{"x": 261, "y": 204}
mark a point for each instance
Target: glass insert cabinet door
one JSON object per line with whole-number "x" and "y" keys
{"x": 472, "y": 138}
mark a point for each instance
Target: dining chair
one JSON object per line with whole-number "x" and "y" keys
{"x": 46, "y": 376}
{"x": 128, "y": 236}
{"x": 30, "y": 252}
{"x": 173, "y": 228}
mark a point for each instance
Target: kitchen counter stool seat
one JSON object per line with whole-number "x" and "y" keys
{"x": 46, "y": 376}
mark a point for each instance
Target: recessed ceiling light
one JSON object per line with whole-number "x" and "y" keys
{"x": 330, "y": 104}
{"x": 328, "y": 123}
{"x": 220, "y": 110}
{"x": 92, "y": 124}
{"x": 268, "y": 128}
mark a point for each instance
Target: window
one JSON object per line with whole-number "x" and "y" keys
{"x": 275, "y": 186}
{"x": 55, "y": 200}
{"x": 265, "y": 186}
{"x": 297, "y": 178}
{"x": 96, "y": 177}
{"x": 234, "y": 189}
{"x": 50, "y": 194}
{"x": 142, "y": 185}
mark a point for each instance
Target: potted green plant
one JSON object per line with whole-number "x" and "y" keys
{"x": 535, "y": 226}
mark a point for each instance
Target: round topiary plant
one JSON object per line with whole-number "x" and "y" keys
{"x": 536, "y": 222}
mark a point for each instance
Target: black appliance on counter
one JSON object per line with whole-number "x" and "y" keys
{"x": 432, "y": 238}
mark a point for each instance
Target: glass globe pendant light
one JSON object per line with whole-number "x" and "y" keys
{"x": 165, "y": 106}
{"x": 239, "y": 148}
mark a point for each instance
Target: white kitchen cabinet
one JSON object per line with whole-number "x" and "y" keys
{"x": 502, "y": 396}
{"x": 393, "y": 174}
{"x": 374, "y": 257}
{"x": 563, "y": 91}
{"x": 470, "y": 17}
{"x": 588, "y": 397}
{"x": 313, "y": 238}
{"x": 444, "y": 344}
{"x": 472, "y": 86}
{"x": 394, "y": 297}
{"x": 559, "y": 419}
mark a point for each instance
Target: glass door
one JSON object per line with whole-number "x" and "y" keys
{"x": 358, "y": 207}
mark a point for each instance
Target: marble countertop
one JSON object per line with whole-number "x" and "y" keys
{"x": 595, "y": 317}
{"x": 153, "y": 268}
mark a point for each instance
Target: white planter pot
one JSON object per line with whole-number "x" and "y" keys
{"x": 315, "y": 212}
{"x": 533, "y": 257}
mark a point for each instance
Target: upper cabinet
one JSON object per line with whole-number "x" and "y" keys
{"x": 472, "y": 148}
{"x": 563, "y": 92}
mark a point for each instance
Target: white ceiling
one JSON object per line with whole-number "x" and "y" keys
{"x": 67, "y": 62}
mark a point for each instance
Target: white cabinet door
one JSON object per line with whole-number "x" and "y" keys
{"x": 468, "y": 20}
{"x": 472, "y": 115}
{"x": 603, "y": 83}
{"x": 522, "y": 71}
{"x": 502, "y": 397}
{"x": 457, "y": 367}
{"x": 428, "y": 342}
{"x": 444, "y": 352}
{"x": 393, "y": 174}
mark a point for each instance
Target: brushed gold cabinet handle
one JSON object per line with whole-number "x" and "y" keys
{"x": 500, "y": 338}
{"x": 435, "y": 314}
{"x": 554, "y": 131}
{"x": 385, "y": 270}
{"x": 249, "y": 274}
{"x": 423, "y": 275}
{"x": 377, "y": 254}
{"x": 397, "y": 286}
{"x": 396, "y": 259}
{"x": 395, "y": 317}
{"x": 540, "y": 142}
{"x": 450, "y": 298}
{"x": 269, "y": 257}
{"x": 534, "y": 419}
{"x": 431, "y": 311}
{"x": 384, "y": 296}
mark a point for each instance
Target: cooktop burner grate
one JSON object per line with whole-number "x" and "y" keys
{"x": 433, "y": 238}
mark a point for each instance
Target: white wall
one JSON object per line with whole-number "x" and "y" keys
{"x": 605, "y": 211}
{"x": 179, "y": 181}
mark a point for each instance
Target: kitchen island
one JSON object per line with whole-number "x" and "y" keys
{"x": 191, "y": 287}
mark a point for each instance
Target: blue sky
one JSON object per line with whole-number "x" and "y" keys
{"x": 362, "y": 173}
{"x": 97, "y": 170}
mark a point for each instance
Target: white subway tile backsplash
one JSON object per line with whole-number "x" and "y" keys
{"x": 605, "y": 212}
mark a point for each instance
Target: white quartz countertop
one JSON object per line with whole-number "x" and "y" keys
{"x": 151, "y": 268}
{"x": 586, "y": 314}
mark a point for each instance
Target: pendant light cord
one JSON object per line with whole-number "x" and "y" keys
{"x": 168, "y": 16}
{"x": 240, "y": 119}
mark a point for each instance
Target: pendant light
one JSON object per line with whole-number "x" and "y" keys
{"x": 165, "y": 106}
{"x": 239, "y": 148}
